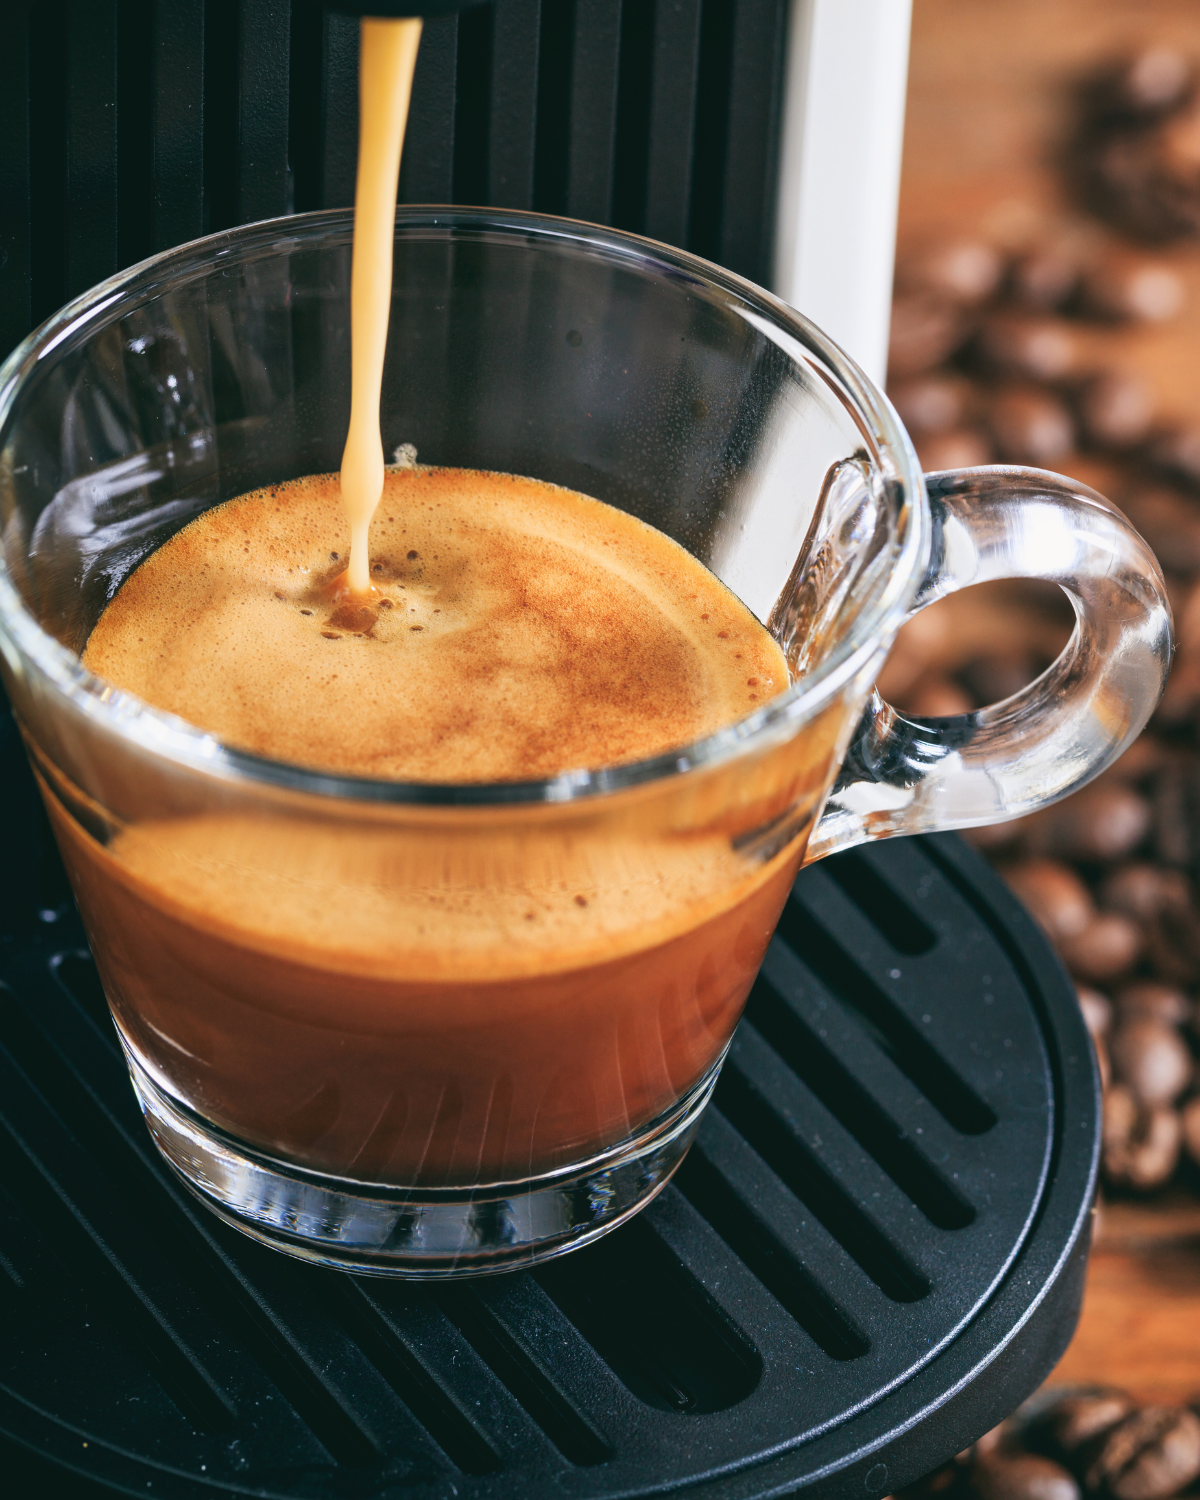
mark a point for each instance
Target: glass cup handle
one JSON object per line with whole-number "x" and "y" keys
{"x": 920, "y": 775}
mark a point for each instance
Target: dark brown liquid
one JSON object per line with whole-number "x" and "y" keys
{"x": 442, "y": 995}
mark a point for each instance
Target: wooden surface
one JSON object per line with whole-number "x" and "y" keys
{"x": 988, "y": 103}
{"x": 1141, "y": 1314}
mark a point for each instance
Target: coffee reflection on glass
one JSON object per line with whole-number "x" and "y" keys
{"x": 346, "y": 1030}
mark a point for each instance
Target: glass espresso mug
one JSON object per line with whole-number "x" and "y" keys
{"x": 346, "y": 1033}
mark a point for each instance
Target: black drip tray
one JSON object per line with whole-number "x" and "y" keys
{"x": 874, "y": 1251}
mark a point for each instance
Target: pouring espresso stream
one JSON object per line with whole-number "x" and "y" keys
{"x": 388, "y": 60}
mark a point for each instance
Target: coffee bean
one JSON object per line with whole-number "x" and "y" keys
{"x": 1174, "y": 844}
{"x": 965, "y": 448}
{"x": 1022, "y": 1476}
{"x": 1145, "y": 757}
{"x": 1179, "y": 705}
{"x": 1026, "y": 347}
{"x": 1103, "y": 1061}
{"x": 933, "y": 403}
{"x": 1165, "y": 1003}
{"x": 1115, "y": 409}
{"x": 1140, "y": 1146}
{"x": 942, "y": 1482}
{"x": 1118, "y": 1121}
{"x": 1142, "y": 890}
{"x": 1127, "y": 288}
{"x": 936, "y": 697}
{"x": 1054, "y": 894}
{"x": 1149, "y": 83}
{"x": 1076, "y": 1420}
{"x": 925, "y": 331}
{"x": 1170, "y": 523}
{"x": 1144, "y": 179}
{"x": 1171, "y": 950}
{"x": 1000, "y": 674}
{"x": 1150, "y": 1455}
{"x": 1191, "y": 1128}
{"x": 1176, "y": 451}
{"x": 962, "y": 271}
{"x": 1187, "y": 624}
{"x": 1097, "y": 1010}
{"x": 992, "y": 1441}
{"x": 1044, "y": 279}
{"x": 1107, "y": 948}
{"x": 1030, "y": 426}
{"x": 1105, "y": 821}
{"x": 1150, "y": 1058}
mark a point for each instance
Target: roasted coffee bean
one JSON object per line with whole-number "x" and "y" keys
{"x": 1097, "y": 1010}
{"x": 1166, "y": 1003}
{"x": 1026, "y": 347}
{"x": 943, "y": 1482}
{"x": 1172, "y": 948}
{"x": 1150, "y": 1058}
{"x": 1145, "y": 757}
{"x": 1030, "y": 426}
{"x": 1021, "y": 1476}
{"x": 933, "y": 403}
{"x": 1118, "y": 1120}
{"x": 1054, "y": 894}
{"x": 1174, "y": 843}
{"x": 1143, "y": 86}
{"x": 925, "y": 331}
{"x": 1179, "y": 705}
{"x": 993, "y": 838}
{"x": 1103, "y": 1061}
{"x": 1114, "y": 409}
{"x": 1140, "y": 1146}
{"x": 1150, "y": 1455}
{"x": 1106, "y": 949}
{"x": 1001, "y": 1437}
{"x": 1191, "y": 1128}
{"x": 1076, "y": 1420}
{"x": 966, "y": 448}
{"x": 1145, "y": 180}
{"x": 962, "y": 271}
{"x": 1187, "y": 624}
{"x": 1000, "y": 674}
{"x": 1105, "y": 821}
{"x": 924, "y": 640}
{"x": 1142, "y": 890}
{"x": 936, "y": 697}
{"x": 1044, "y": 279}
{"x": 1126, "y": 288}
{"x": 1170, "y": 523}
{"x": 1176, "y": 450}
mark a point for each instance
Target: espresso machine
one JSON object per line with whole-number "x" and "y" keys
{"x": 862, "y": 1265}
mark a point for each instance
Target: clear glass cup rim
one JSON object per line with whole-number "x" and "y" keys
{"x": 151, "y": 729}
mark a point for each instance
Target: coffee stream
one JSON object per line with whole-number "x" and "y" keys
{"x": 388, "y": 58}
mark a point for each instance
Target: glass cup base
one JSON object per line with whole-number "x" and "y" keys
{"x": 418, "y": 1232}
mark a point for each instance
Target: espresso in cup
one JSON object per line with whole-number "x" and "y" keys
{"x": 419, "y": 1008}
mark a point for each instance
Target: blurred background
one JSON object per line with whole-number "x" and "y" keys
{"x": 1047, "y": 311}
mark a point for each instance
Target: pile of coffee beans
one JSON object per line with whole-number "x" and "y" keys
{"x": 998, "y": 354}
{"x": 1097, "y": 1443}
{"x": 1136, "y": 154}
